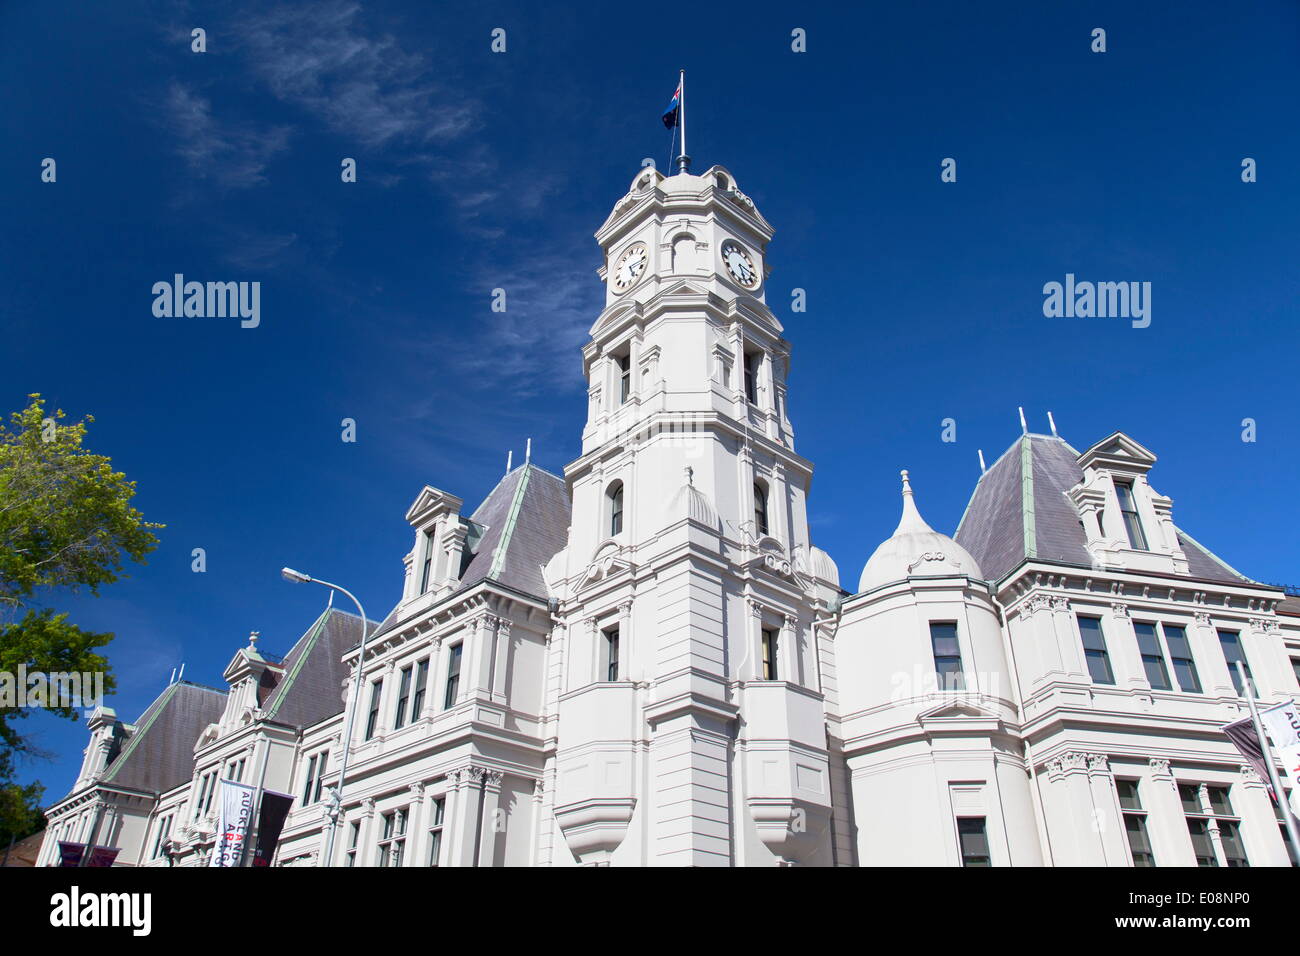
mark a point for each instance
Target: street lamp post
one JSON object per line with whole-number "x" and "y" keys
{"x": 336, "y": 794}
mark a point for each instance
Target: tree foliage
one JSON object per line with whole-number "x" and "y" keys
{"x": 66, "y": 523}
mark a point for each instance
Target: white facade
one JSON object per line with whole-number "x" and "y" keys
{"x": 647, "y": 662}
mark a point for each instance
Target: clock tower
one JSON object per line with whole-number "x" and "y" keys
{"x": 690, "y": 663}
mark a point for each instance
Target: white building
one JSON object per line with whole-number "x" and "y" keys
{"x": 646, "y": 661}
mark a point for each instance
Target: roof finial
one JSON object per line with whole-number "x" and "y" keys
{"x": 911, "y": 519}
{"x": 982, "y": 468}
{"x": 907, "y": 485}
{"x": 252, "y": 639}
{"x": 1024, "y": 428}
{"x": 510, "y": 458}
{"x": 690, "y": 476}
{"x": 1052, "y": 422}
{"x": 528, "y": 452}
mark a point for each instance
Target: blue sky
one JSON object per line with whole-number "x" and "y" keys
{"x": 481, "y": 170}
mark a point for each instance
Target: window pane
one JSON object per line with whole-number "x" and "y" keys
{"x": 1191, "y": 800}
{"x": 1135, "y": 825}
{"x": 1128, "y": 510}
{"x": 1219, "y": 803}
{"x": 1153, "y": 659}
{"x": 1094, "y": 645}
{"x": 1128, "y": 794}
{"x": 974, "y": 842}
{"x": 1230, "y": 641}
{"x": 1201, "y": 843}
{"x": 1233, "y": 850}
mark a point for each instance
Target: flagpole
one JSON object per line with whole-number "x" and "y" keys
{"x": 683, "y": 161}
{"x": 1287, "y": 816}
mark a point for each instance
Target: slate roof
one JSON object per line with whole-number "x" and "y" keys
{"x": 523, "y": 522}
{"x": 1019, "y": 510}
{"x": 159, "y": 755}
{"x": 311, "y": 687}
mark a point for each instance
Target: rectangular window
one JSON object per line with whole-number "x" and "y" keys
{"x": 320, "y": 775}
{"x": 165, "y": 829}
{"x": 1128, "y": 511}
{"x": 1230, "y": 641}
{"x": 372, "y": 719}
{"x": 310, "y": 782}
{"x": 624, "y": 378}
{"x": 354, "y": 834}
{"x": 770, "y": 638}
{"x": 1180, "y": 653}
{"x": 453, "y": 676}
{"x": 610, "y": 654}
{"x": 1208, "y": 809}
{"x": 421, "y": 679}
{"x": 1135, "y": 823}
{"x": 1153, "y": 657}
{"x": 392, "y": 839}
{"x": 426, "y": 573}
{"x": 207, "y": 786}
{"x": 403, "y": 698}
{"x": 752, "y": 361}
{"x": 947, "y": 655}
{"x": 1094, "y": 650}
{"x": 435, "y": 832}
{"x": 974, "y": 842}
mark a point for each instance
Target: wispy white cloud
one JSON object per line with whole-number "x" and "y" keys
{"x": 234, "y": 154}
{"x": 320, "y": 58}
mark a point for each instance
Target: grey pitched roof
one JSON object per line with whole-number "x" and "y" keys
{"x": 159, "y": 755}
{"x": 520, "y": 526}
{"x": 311, "y": 688}
{"x": 1019, "y": 510}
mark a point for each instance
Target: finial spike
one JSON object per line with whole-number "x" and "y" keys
{"x": 1052, "y": 422}
{"x": 510, "y": 460}
{"x": 528, "y": 452}
{"x": 907, "y": 485}
{"x": 253, "y": 638}
{"x": 690, "y": 475}
{"x": 1024, "y": 427}
{"x": 981, "y": 454}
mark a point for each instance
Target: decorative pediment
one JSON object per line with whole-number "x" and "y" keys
{"x": 608, "y": 560}
{"x": 963, "y": 707}
{"x": 1120, "y": 452}
{"x": 429, "y": 504}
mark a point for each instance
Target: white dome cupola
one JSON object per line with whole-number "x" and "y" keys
{"x": 915, "y": 549}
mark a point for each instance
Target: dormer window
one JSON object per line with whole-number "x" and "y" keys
{"x": 1128, "y": 511}
{"x": 426, "y": 575}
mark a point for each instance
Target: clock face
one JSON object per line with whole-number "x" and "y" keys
{"x": 739, "y": 264}
{"x": 630, "y": 267}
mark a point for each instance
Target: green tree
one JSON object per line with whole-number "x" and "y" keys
{"x": 66, "y": 524}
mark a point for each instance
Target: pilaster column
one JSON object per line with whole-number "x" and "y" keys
{"x": 1121, "y": 643}
{"x": 1209, "y": 657}
{"x": 1106, "y": 811}
{"x": 1067, "y": 638}
{"x": 790, "y": 651}
{"x": 462, "y": 817}
{"x": 1262, "y": 645}
{"x": 417, "y": 828}
{"x": 751, "y": 667}
{"x": 477, "y": 657}
{"x": 1166, "y": 824}
{"x": 500, "y": 659}
{"x": 629, "y": 662}
{"x": 1074, "y": 826}
{"x": 367, "y": 838}
{"x": 1260, "y": 833}
{"x": 494, "y": 815}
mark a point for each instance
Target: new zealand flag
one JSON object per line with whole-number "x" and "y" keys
{"x": 674, "y": 109}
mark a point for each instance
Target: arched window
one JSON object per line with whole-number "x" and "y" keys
{"x": 760, "y": 508}
{"x": 615, "y": 495}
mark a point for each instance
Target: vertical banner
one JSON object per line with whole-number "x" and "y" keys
{"x": 270, "y": 821}
{"x": 235, "y": 812}
{"x": 1282, "y": 724}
